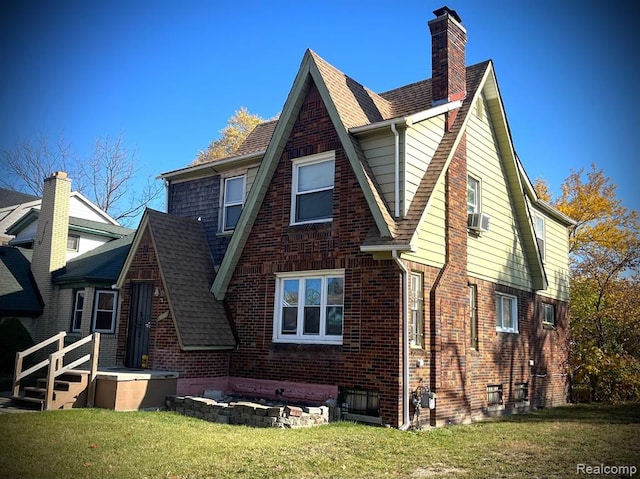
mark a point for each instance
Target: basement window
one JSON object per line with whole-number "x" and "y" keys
{"x": 494, "y": 395}
{"x": 360, "y": 402}
{"x": 521, "y": 392}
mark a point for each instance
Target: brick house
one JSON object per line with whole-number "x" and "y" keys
{"x": 373, "y": 248}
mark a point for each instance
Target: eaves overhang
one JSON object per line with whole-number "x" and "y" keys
{"x": 213, "y": 166}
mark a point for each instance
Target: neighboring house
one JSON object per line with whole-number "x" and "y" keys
{"x": 11, "y": 207}
{"x": 67, "y": 263}
{"x": 363, "y": 247}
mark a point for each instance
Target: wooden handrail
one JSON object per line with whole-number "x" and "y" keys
{"x": 55, "y": 365}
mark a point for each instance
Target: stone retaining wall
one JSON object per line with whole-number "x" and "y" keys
{"x": 250, "y": 413}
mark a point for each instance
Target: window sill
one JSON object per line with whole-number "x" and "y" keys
{"x": 509, "y": 331}
{"x": 224, "y": 234}
{"x": 291, "y": 346}
{"x": 549, "y": 326}
{"x": 495, "y": 407}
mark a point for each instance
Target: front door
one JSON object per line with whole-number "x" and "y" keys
{"x": 139, "y": 325}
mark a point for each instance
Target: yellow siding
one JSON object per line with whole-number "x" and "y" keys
{"x": 556, "y": 259}
{"x": 379, "y": 150}
{"x": 421, "y": 140}
{"x": 251, "y": 176}
{"x": 430, "y": 247}
{"x": 497, "y": 255}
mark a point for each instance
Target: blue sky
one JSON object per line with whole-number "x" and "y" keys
{"x": 167, "y": 75}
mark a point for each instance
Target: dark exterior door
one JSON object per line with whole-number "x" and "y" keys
{"x": 139, "y": 325}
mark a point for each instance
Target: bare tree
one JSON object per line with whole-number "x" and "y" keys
{"x": 30, "y": 163}
{"x": 109, "y": 177}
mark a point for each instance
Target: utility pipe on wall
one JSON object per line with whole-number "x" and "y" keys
{"x": 405, "y": 340}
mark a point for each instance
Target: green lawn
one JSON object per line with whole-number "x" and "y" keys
{"x": 93, "y": 443}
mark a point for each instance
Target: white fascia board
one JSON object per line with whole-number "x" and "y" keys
{"x": 409, "y": 119}
{"x": 387, "y": 247}
{"x": 212, "y": 165}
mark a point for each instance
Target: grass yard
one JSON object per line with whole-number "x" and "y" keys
{"x": 93, "y": 443}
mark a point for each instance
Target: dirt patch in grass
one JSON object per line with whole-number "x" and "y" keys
{"x": 436, "y": 470}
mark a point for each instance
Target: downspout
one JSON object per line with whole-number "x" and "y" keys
{"x": 396, "y": 198}
{"x": 405, "y": 340}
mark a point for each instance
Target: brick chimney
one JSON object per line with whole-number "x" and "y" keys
{"x": 448, "y": 70}
{"x": 50, "y": 242}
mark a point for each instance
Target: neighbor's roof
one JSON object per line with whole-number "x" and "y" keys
{"x": 186, "y": 268}
{"x": 11, "y": 197}
{"x": 19, "y": 293}
{"x": 100, "y": 265}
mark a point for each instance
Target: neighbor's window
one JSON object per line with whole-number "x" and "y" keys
{"x": 473, "y": 195}
{"x": 506, "y": 313}
{"x": 78, "y": 307}
{"x": 548, "y": 314}
{"x": 540, "y": 235}
{"x": 473, "y": 316}
{"x": 104, "y": 311}
{"x": 73, "y": 242}
{"x": 233, "y": 199}
{"x": 312, "y": 190}
{"x": 416, "y": 310}
{"x": 309, "y": 307}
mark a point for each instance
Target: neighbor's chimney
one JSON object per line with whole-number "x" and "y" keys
{"x": 448, "y": 70}
{"x": 50, "y": 243}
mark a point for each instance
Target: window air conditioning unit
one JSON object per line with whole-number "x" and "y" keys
{"x": 478, "y": 221}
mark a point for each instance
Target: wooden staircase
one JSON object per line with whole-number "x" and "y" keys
{"x": 64, "y": 387}
{"x": 69, "y": 391}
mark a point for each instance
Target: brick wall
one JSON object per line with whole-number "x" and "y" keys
{"x": 164, "y": 348}
{"x": 370, "y": 355}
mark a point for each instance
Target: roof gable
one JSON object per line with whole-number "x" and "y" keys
{"x": 341, "y": 96}
{"x": 187, "y": 271}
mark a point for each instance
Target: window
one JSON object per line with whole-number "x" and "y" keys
{"x": 473, "y": 195}
{"x": 416, "y": 310}
{"x": 73, "y": 242}
{"x": 540, "y": 235}
{"x": 312, "y": 190}
{"x": 494, "y": 394}
{"x": 309, "y": 307}
{"x": 104, "y": 311}
{"x": 548, "y": 314}
{"x": 521, "y": 392}
{"x": 506, "y": 313}
{"x": 232, "y": 202}
{"x": 473, "y": 316}
{"x": 78, "y": 307}
{"x": 360, "y": 401}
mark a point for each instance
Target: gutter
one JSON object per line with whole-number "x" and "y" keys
{"x": 405, "y": 341}
{"x": 212, "y": 165}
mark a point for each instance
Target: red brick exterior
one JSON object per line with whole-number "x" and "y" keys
{"x": 164, "y": 347}
{"x": 370, "y": 356}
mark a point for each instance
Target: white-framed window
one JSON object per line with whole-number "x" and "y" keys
{"x": 73, "y": 242}
{"x": 473, "y": 316}
{"x": 232, "y": 201}
{"x": 473, "y": 195}
{"x": 312, "y": 189}
{"x": 416, "y": 301}
{"x": 105, "y": 305}
{"x": 540, "y": 235}
{"x": 78, "y": 307}
{"x": 506, "y": 313}
{"x": 309, "y": 307}
{"x": 548, "y": 313}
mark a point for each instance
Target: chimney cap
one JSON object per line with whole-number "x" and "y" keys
{"x": 59, "y": 174}
{"x": 446, "y": 10}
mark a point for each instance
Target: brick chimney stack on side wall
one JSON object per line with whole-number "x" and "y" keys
{"x": 448, "y": 70}
{"x": 50, "y": 242}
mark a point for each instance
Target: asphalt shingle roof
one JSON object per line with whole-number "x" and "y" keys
{"x": 19, "y": 293}
{"x": 187, "y": 269}
{"x": 10, "y": 197}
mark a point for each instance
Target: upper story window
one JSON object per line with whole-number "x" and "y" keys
{"x": 104, "y": 311}
{"x": 73, "y": 242}
{"x": 312, "y": 189}
{"x": 506, "y": 313}
{"x": 233, "y": 199}
{"x": 309, "y": 307}
{"x": 548, "y": 313}
{"x": 473, "y": 195}
{"x": 540, "y": 235}
{"x": 78, "y": 307}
